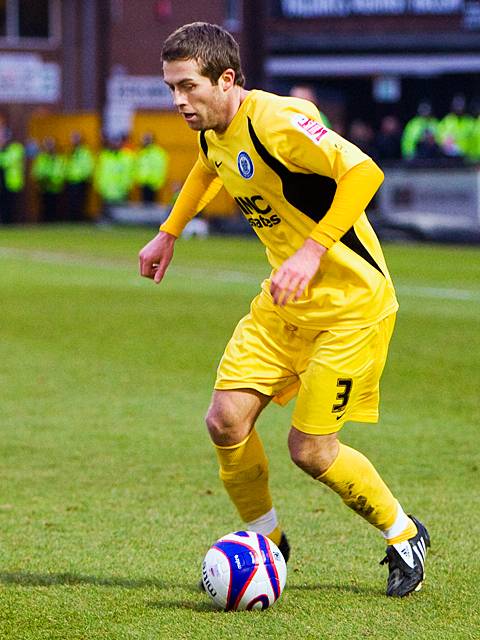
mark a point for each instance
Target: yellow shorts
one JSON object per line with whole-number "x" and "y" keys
{"x": 336, "y": 373}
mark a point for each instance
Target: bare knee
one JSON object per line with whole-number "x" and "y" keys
{"x": 222, "y": 426}
{"x": 313, "y": 454}
{"x": 232, "y": 415}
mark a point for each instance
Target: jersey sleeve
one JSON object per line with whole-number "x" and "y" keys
{"x": 354, "y": 191}
{"x": 200, "y": 187}
{"x": 306, "y": 145}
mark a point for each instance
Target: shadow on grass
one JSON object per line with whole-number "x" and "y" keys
{"x": 339, "y": 588}
{"x": 70, "y": 579}
{"x": 53, "y": 579}
{"x": 205, "y": 606}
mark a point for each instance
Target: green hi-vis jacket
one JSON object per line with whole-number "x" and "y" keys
{"x": 152, "y": 166}
{"x": 413, "y": 132}
{"x": 12, "y": 163}
{"x": 473, "y": 152}
{"x": 48, "y": 170}
{"x": 454, "y": 133}
{"x": 80, "y": 164}
{"x": 114, "y": 174}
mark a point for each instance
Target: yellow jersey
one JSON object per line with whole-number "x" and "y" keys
{"x": 282, "y": 166}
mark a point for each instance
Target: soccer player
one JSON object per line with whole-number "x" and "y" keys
{"x": 320, "y": 327}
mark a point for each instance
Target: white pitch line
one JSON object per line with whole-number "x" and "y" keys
{"x": 226, "y": 276}
{"x": 58, "y": 257}
{"x": 437, "y": 292}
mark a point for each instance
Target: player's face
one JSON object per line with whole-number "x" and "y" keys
{"x": 201, "y": 103}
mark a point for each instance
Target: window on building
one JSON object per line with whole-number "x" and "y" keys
{"x": 233, "y": 17}
{"x": 28, "y": 20}
{"x": 3, "y": 18}
{"x": 33, "y": 19}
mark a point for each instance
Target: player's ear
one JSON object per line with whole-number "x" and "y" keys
{"x": 227, "y": 79}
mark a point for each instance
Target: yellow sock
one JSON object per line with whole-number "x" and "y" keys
{"x": 244, "y": 472}
{"x": 275, "y": 535}
{"x": 361, "y": 488}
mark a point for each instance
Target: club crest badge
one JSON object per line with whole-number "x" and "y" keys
{"x": 245, "y": 165}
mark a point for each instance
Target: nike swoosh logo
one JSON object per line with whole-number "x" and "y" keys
{"x": 218, "y": 164}
{"x": 341, "y": 416}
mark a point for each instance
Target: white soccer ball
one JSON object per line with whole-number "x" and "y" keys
{"x": 244, "y": 570}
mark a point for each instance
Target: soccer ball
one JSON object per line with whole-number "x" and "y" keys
{"x": 244, "y": 570}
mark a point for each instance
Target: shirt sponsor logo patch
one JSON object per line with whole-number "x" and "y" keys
{"x": 245, "y": 165}
{"x": 313, "y": 129}
{"x": 257, "y": 211}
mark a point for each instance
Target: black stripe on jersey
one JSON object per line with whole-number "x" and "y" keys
{"x": 352, "y": 241}
{"x": 204, "y": 143}
{"x": 311, "y": 193}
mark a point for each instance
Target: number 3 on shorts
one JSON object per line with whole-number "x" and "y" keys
{"x": 343, "y": 396}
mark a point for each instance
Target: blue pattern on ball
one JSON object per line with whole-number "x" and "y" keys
{"x": 243, "y": 563}
{"x": 269, "y": 565}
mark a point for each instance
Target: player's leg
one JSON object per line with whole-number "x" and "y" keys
{"x": 253, "y": 369}
{"x": 243, "y": 464}
{"x": 340, "y": 383}
{"x": 354, "y": 478}
{"x": 242, "y": 461}
{"x": 232, "y": 415}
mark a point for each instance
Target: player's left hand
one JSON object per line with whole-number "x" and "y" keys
{"x": 291, "y": 280}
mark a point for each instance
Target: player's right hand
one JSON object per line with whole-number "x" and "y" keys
{"x": 155, "y": 256}
{"x": 294, "y": 275}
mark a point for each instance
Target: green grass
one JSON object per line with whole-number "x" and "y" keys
{"x": 109, "y": 494}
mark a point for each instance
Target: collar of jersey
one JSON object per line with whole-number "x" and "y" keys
{"x": 237, "y": 119}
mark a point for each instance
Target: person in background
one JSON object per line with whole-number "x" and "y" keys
{"x": 454, "y": 129}
{"x": 126, "y": 143}
{"x": 151, "y": 168}
{"x": 113, "y": 175}
{"x": 414, "y": 129}
{"x": 428, "y": 148}
{"x": 362, "y": 135}
{"x": 473, "y": 153}
{"x": 128, "y": 152}
{"x": 12, "y": 176}
{"x": 78, "y": 173}
{"x": 307, "y": 92}
{"x": 48, "y": 171}
{"x": 388, "y": 141}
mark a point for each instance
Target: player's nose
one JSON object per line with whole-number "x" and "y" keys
{"x": 179, "y": 98}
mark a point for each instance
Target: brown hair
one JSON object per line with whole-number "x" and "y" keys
{"x": 213, "y": 48}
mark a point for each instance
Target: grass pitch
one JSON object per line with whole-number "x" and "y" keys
{"x": 109, "y": 492}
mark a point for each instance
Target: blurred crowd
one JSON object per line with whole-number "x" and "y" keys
{"x": 453, "y": 139}
{"x": 63, "y": 179}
